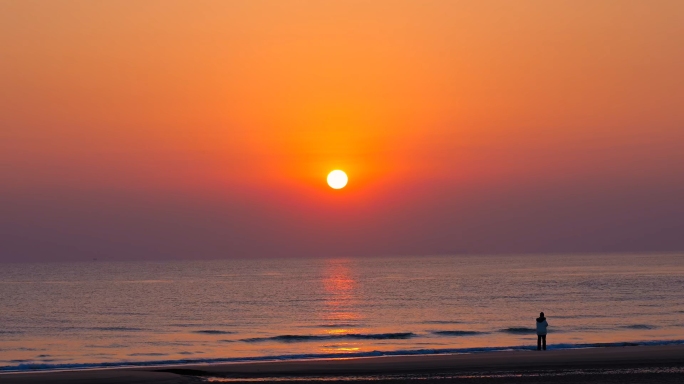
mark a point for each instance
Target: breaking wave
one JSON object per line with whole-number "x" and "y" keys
{"x": 351, "y": 336}
{"x": 458, "y": 333}
{"x": 519, "y": 330}
{"x": 640, "y": 326}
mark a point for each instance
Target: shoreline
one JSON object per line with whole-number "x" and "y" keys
{"x": 46, "y": 367}
{"x": 650, "y": 363}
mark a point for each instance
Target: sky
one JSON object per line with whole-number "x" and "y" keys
{"x": 167, "y": 129}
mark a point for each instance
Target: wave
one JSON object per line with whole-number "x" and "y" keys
{"x": 581, "y": 316}
{"x": 406, "y": 352}
{"x": 339, "y": 325}
{"x": 442, "y": 322}
{"x": 458, "y": 333}
{"x": 353, "y": 336}
{"x": 640, "y": 326}
{"x": 214, "y": 332}
{"x": 117, "y": 329}
{"x": 519, "y": 330}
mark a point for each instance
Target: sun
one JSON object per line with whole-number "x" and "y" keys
{"x": 337, "y": 179}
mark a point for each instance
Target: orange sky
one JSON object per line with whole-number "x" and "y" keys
{"x": 251, "y": 103}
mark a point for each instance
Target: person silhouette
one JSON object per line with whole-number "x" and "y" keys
{"x": 541, "y": 331}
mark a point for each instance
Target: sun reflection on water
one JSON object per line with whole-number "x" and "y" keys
{"x": 340, "y": 304}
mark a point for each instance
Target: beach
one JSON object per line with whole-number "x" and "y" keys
{"x": 638, "y": 364}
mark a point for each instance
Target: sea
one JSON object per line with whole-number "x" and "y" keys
{"x": 109, "y": 314}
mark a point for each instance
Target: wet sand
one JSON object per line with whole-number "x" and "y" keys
{"x": 640, "y": 364}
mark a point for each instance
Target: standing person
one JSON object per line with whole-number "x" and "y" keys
{"x": 541, "y": 331}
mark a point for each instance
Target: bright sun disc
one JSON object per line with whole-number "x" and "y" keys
{"x": 337, "y": 179}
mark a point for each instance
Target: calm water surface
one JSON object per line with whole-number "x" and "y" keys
{"x": 56, "y": 315}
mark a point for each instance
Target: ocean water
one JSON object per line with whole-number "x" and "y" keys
{"x": 79, "y": 315}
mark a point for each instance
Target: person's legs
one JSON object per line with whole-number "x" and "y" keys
{"x": 539, "y": 339}
{"x": 544, "y": 342}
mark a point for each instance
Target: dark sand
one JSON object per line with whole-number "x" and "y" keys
{"x": 643, "y": 364}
